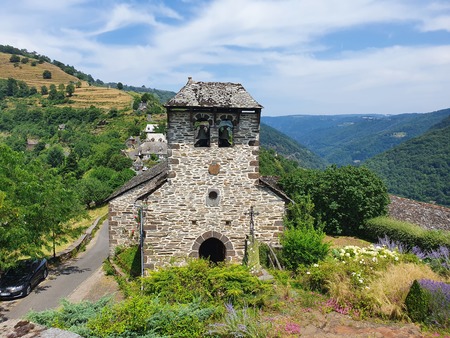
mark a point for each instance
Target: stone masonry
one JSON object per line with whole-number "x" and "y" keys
{"x": 197, "y": 205}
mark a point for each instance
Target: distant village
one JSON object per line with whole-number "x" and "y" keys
{"x": 150, "y": 150}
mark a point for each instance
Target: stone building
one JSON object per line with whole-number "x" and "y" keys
{"x": 208, "y": 196}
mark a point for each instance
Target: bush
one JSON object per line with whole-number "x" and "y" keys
{"x": 70, "y": 316}
{"x": 214, "y": 284}
{"x": 303, "y": 246}
{"x": 410, "y": 235}
{"x": 428, "y": 302}
{"x": 47, "y": 74}
{"x": 417, "y": 303}
{"x": 14, "y": 58}
{"x": 144, "y": 316}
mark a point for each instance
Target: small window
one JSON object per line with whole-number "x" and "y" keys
{"x": 225, "y": 133}
{"x": 213, "y": 198}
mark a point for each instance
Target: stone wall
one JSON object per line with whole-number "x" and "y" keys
{"x": 209, "y": 193}
{"x": 122, "y": 213}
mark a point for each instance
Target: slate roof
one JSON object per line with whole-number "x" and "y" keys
{"x": 159, "y": 169}
{"x": 272, "y": 183}
{"x": 213, "y": 94}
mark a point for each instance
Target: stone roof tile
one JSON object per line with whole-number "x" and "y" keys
{"x": 213, "y": 94}
{"x": 139, "y": 179}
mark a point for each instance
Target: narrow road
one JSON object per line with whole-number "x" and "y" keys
{"x": 62, "y": 280}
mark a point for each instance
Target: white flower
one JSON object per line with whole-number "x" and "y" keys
{"x": 361, "y": 280}
{"x": 316, "y": 265}
{"x": 308, "y": 273}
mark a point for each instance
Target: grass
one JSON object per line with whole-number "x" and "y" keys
{"x": 341, "y": 241}
{"x": 32, "y": 75}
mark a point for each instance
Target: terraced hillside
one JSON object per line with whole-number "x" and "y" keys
{"x": 85, "y": 96}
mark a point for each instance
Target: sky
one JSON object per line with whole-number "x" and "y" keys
{"x": 293, "y": 56}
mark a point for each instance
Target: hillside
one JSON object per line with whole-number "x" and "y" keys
{"x": 418, "y": 169}
{"x": 83, "y": 97}
{"x": 287, "y": 147}
{"x": 349, "y": 139}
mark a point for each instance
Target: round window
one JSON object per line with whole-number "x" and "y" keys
{"x": 213, "y": 195}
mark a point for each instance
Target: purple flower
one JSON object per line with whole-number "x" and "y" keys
{"x": 434, "y": 287}
{"x": 391, "y": 244}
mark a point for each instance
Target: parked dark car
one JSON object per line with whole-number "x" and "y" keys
{"x": 21, "y": 279}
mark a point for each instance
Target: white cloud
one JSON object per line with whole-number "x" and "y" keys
{"x": 269, "y": 46}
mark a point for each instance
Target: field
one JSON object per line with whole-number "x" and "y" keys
{"x": 85, "y": 96}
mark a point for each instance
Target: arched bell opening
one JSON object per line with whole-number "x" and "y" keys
{"x": 212, "y": 249}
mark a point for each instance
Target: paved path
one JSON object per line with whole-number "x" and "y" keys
{"x": 62, "y": 280}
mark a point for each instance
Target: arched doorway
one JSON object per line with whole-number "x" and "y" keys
{"x": 212, "y": 249}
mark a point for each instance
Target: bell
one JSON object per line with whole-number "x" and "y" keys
{"x": 203, "y": 133}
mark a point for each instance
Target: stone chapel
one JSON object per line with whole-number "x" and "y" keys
{"x": 208, "y": 196}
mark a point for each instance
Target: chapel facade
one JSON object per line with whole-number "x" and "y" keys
{"x": 208, "y": 197}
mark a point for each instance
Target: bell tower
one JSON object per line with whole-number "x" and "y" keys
{"x": 197, "y": 204}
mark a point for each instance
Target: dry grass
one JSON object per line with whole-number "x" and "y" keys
{"x": 341, "y": 241}
{"x": 32, "y": 75}
{"x": 389, "y": 291}
{"x": 101, "y": 97}
{"x": 84, "y": 97}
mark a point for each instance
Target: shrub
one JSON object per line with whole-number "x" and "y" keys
{"x": 213, "y": 284}
{"x": 14, "y": 58}
{"x": 70, "y": 316}
{"x": 47, "y": 74}
{"x": 428, "y": 301}
{"x": 408, "y": 234}
{"x": 416, "y": 303}
{"x": 303, "y": 246}
{"x": 146, "y": 316}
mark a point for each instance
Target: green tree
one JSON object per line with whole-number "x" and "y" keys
{"x": 34, "y": 207}
{"x": 120, "y": 86}
{"x": 14, "y": 58}
{"x": 70, "y": 89}
{"x": 44, "y": 90}
{"x": 146, "y": 97}
{"x": 55, "y": 156}
{"x": 59, "y": 205}
{"x": 344, "y": 198}
{"x": 47, "y": 74}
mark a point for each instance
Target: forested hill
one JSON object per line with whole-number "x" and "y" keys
{"x": 418, "y": 169}
{"x": 289, "y": 148}
{"x": 350, "y": 139}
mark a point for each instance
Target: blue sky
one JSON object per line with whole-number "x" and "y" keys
{"x": 293, "y": 56}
